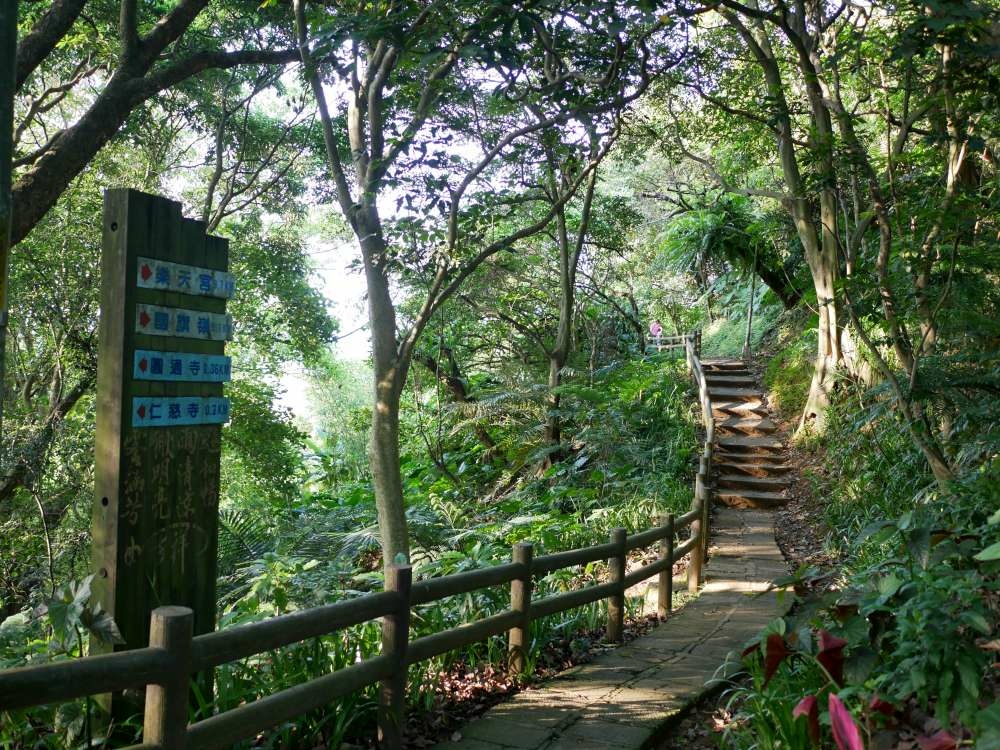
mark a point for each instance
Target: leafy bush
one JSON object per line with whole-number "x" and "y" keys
{"x": 788, "y": 374}
{"x": 914, "y": 626}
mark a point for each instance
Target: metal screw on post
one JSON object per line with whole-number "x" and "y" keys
{"x": 520, "y": 602}
{"x": 616, "y": 602}
{"x": 165, "y": 718}
{"x": 395, "y": 638}
{"x": 665, "y": 583}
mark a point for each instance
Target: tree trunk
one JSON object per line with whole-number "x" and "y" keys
{"x": 8, "y": 56}
{"x": 553, "y": 426}
{"x": 821, "y": 255}
{"x": 560, "y": 352}
{"x": 569, "y": 261}
{"x": 777, "y": 283}
{"x": 390, "y": 375}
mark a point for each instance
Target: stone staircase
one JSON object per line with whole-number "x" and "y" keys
{"x": 749, "y": 459}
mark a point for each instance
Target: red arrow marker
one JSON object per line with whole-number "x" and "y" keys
{"x": 142, "y": 412}
{"x": 146, "y": 272}
{"x": 142, "y": 364}
{"x": 144, "y": 319}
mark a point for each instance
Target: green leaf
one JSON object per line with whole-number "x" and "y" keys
{"x": 970, "y": 674}
{"x": 888, "y": 586}
{"x": 918, "y": 543}
{"x": 976, "y": 621}
{"x": 101, "y": 625}
{"x": 990, "y": 553}
{"x": 859, "y": 665}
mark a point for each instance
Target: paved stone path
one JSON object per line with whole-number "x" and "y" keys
{"x": 624, "y": 696}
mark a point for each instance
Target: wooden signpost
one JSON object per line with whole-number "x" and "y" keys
{"x": 160, "y": 410}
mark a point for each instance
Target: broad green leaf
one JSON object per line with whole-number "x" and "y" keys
{"x": 990, "y": 553}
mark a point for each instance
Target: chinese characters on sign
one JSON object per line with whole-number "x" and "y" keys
{"x": 173, "y": 411}
{"x": 189, "y": 324}
{"x": 176, "y": 277}
{"x": 181, "y": 366}
{"x": 180, "y": 531}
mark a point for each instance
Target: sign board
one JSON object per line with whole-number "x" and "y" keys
{"x": 160, "y": 407}
{"x": 178, "y": 366}
{"x": 176, "y": 277}
{"x": 176, "y": 411}
{"x": 157, "y": 320}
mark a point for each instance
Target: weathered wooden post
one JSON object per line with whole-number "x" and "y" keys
{"x": 616, "y": 602}
{"x": 706, "y": 504}
{"x": 665, "y": 583}
{"x": 160, "y": 410}
{"x": 697, "y": 560}
{"x": 520, "y": 602}
{"x": 165, "y": 718}
{"x": 395, "y": 639}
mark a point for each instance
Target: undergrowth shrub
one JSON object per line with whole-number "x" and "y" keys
{"x": 725, "y": 336}
{"x": 789, "y": 373}
{"x": 914, "y": 608}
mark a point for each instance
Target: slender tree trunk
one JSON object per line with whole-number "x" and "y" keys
{"x": 560, "y": 352}
{"x": 569, "y": 260}
{"x": 390, "y": 376}
{"x": 8, "y": 57}
{"x": 821, "y": 257}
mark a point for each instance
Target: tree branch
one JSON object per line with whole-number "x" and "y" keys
{"x": 36, "y": 45}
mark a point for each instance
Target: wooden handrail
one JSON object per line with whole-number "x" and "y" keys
{"x": 242, "y": 641}
{"x": 435, "y": 589}
{"x": 76, "y": 678}
{"x": 165, "y": 667}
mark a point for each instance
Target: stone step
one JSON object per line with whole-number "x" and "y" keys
{"x": 750, "y": 498}
{"x": 753, "y": 468}
{"x": 723, "y": 410}
{"x": 725, "y": 380}
{"x": 746, "y": 425}
{"x": 724, "y": 393}
{"x": 766, "y": 444}
{"x": 723, "y": 364}
{"x": 743, "y": 482}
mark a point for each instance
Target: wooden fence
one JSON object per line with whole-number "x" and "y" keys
{"x": 164, "y": 668}
{"x": 676, "y": 341}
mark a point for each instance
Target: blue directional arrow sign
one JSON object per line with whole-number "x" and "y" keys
{"x": 177, "y": 411}
{"x": 181, "y": 367}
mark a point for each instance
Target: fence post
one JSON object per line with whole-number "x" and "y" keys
{"x": 395, "y": 638}
{"x": 616, "y": 602}
{"x": 520, "y": 602}
{"x": 665, "y": 584}
{"x": 697, "y": 560}
{"x": 706, "y": 505}
{"x": 165, "y": 719}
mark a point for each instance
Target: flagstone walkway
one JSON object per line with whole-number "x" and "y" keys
{"x": 625, "y": 696}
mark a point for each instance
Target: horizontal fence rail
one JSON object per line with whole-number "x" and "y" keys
{"x": 173, "y": 656}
